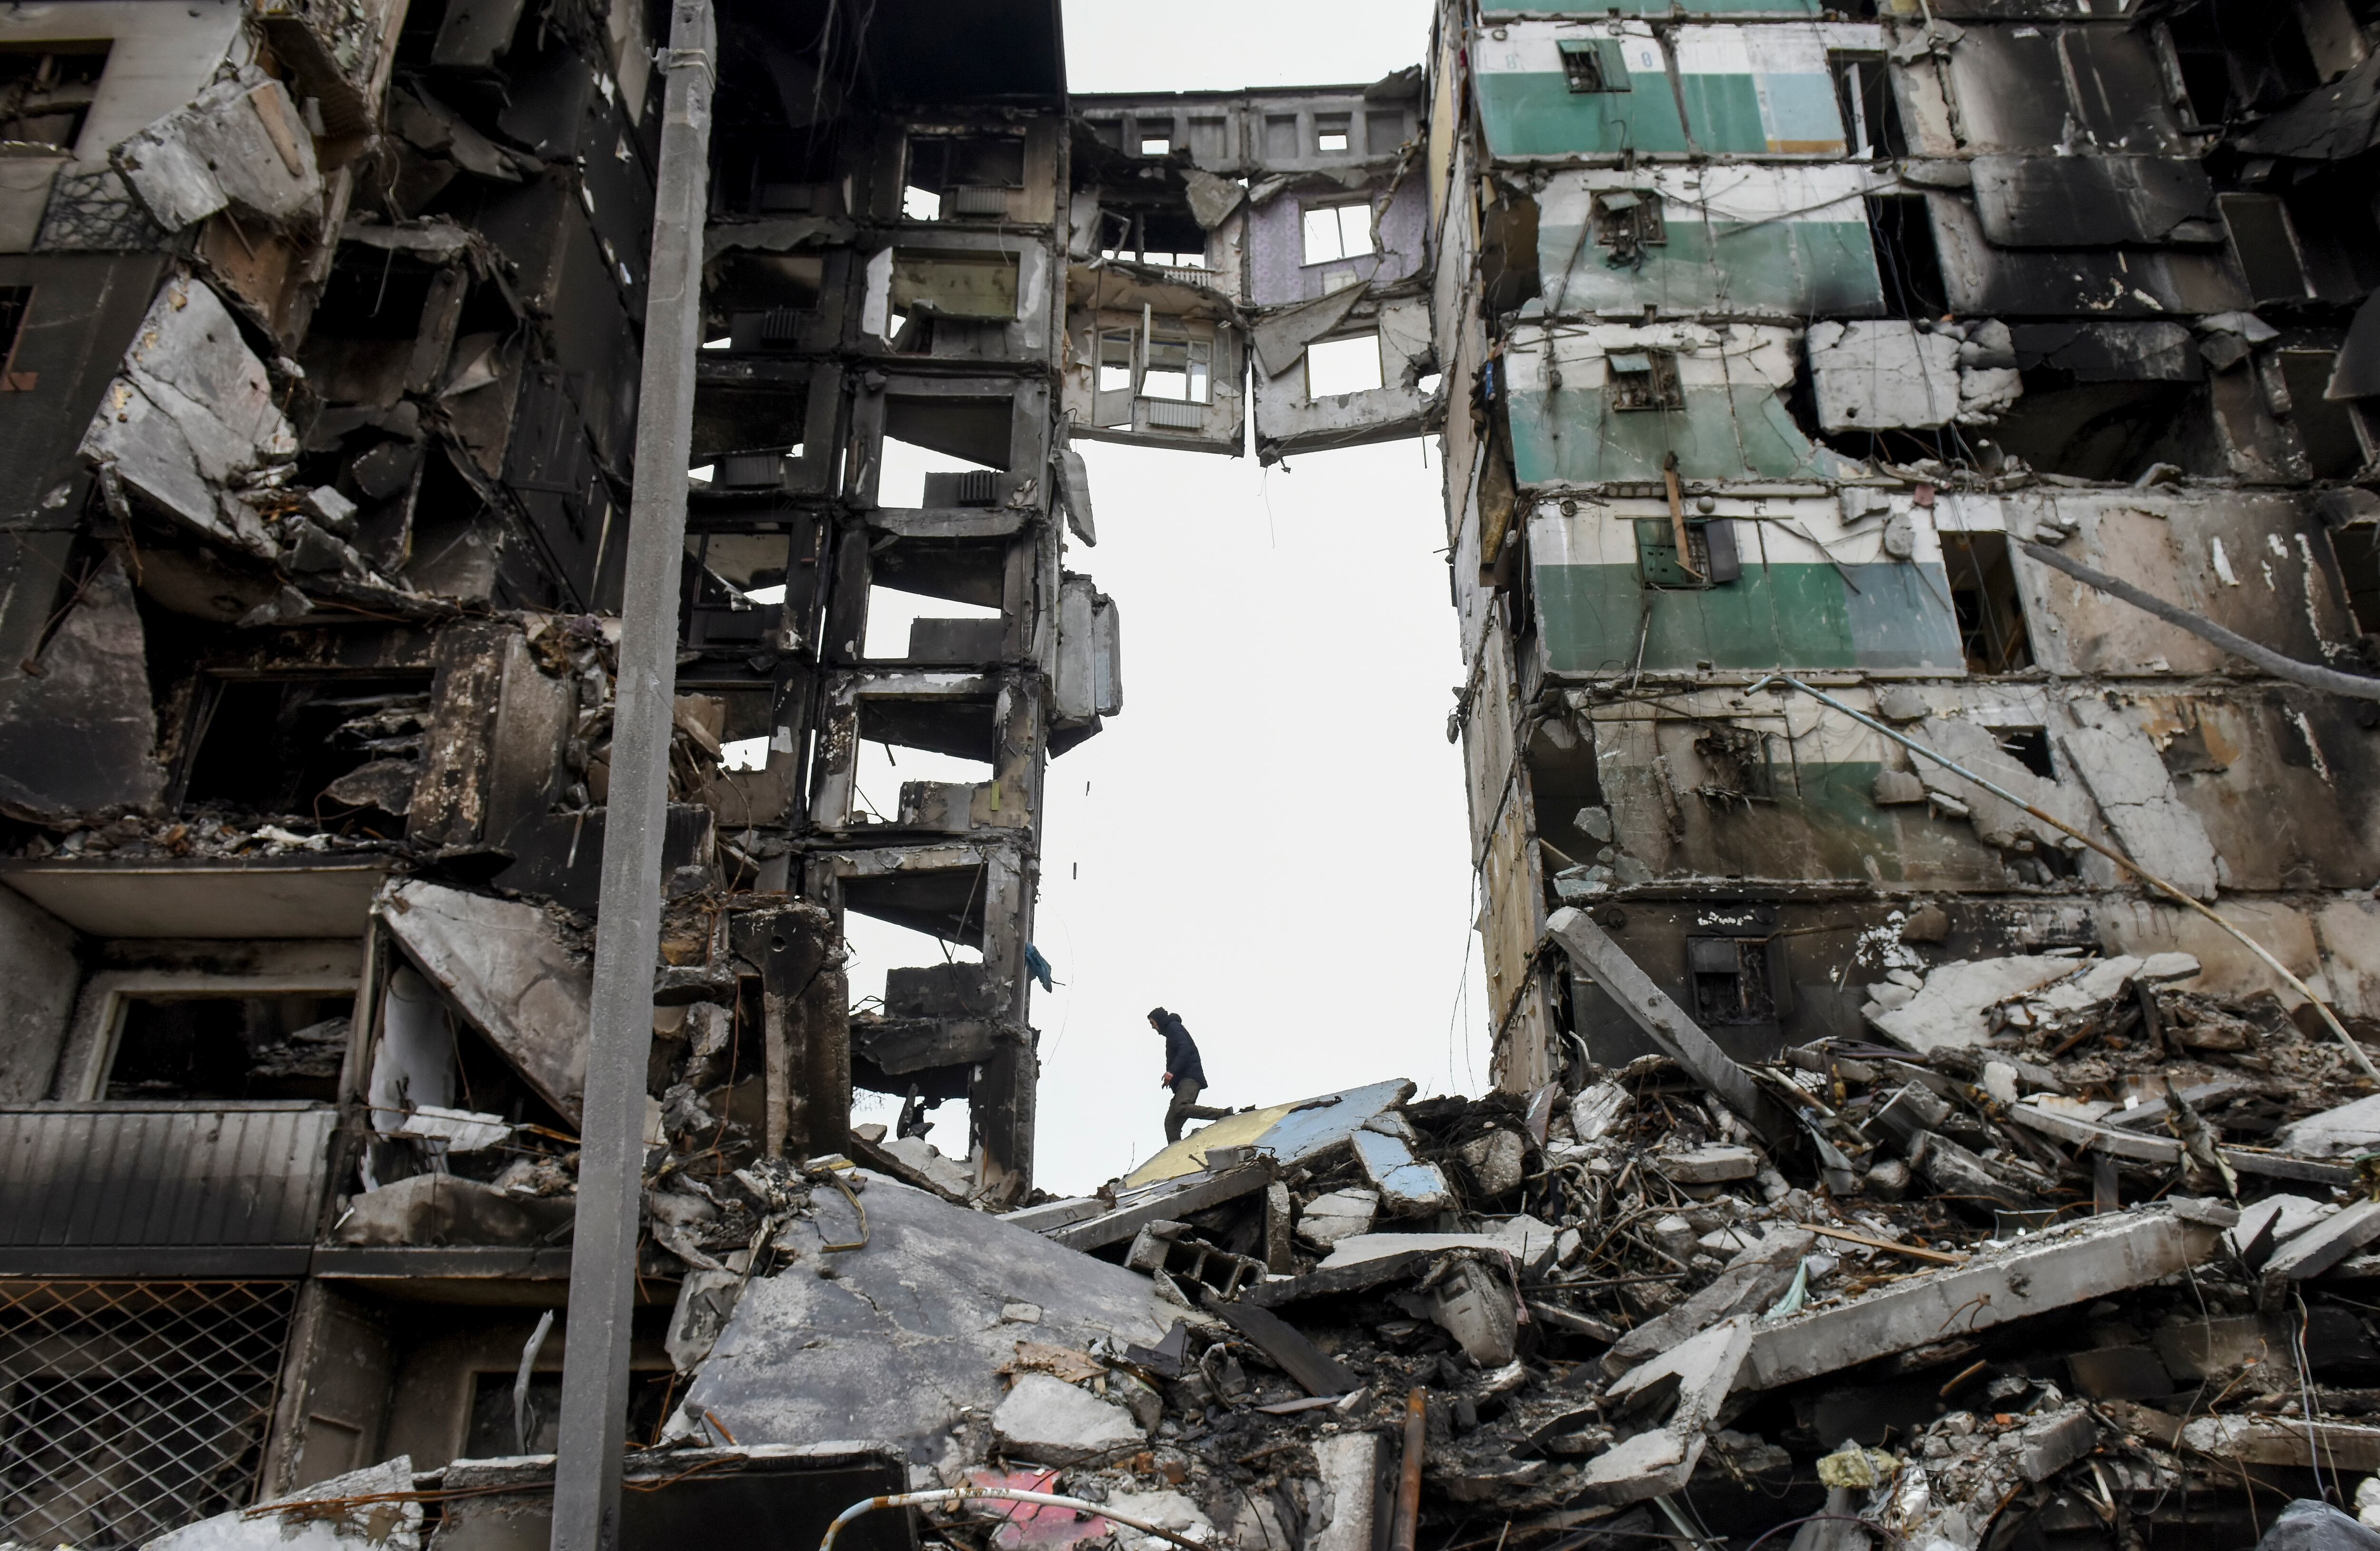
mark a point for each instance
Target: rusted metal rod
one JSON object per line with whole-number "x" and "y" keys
{"x": 1408, "y": 1520}
{"x": 2178, "y": 895}
{"x": 957, "y": 1495}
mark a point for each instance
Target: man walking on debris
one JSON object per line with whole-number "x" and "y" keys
{"x": 1182, "y": 1074}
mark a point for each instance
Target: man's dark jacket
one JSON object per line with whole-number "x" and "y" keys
{"x": 1181, "y": 1055}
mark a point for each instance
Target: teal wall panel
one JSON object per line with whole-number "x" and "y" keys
{"x": 1774, "y": 616}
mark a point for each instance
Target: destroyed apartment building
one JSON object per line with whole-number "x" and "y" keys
{"x": 1919, "y": 613}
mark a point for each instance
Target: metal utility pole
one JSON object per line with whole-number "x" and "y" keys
{"x": 628, "y": 934}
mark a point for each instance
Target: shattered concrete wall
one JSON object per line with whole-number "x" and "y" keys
{"x": 1288, "y": 226}
{"x": 322, "y": 331}
{"x": 1781, "y": 338}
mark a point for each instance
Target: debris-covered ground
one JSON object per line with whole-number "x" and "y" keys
{"x": 2070, "y": 1255}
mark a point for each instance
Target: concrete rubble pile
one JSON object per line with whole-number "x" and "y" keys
{"x": 2096, "y": 1265}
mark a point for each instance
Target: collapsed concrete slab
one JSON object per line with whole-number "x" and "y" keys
{"x": 2056, "y": 1270}
{"x": 191, "y": 413}
{"x": 510, "y": 970}
{"x": 1752, "y": 1281}
{"x": 902, "y": 1340}
{"x": 1699, "y": 1374}
{"x": 2350, "y": 1127}
{"x": 369, "y": 1509}
{"x": 1049, "y": 1421}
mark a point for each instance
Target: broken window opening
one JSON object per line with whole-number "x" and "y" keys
{"x": 1644, "y": 379}
{"x": 426, "y": 1056}
{"x": 2264, "y": 241}
{"x": 1731, "y": 980}
{"x": 1332, "y": 131}
{"x": 1594, "y": 65}
{"x": 945, "y": 905}
{"x": 1711, "y": 553}
{"x": 1155, "y": 145}
{"x": 1871, "y": 118}
{"x": 2326, "y": 426}
{"x": 1180, "y": 371}
{"x": 2358, "y": 550}
{"x": 1336, "y": 232}
{"x": 47, "y": 88}
{"x": 764, "y": 301}
{"x": 2239, "y": 56}
{"x": 495, "y": 1432}
{"x": 2028, "y": 746}
{"x": 735, "y": 587}
{"x": 1736, "y": 765}
{"x": 907, "y": 290}
{"x": 229, "y": 1048}
{"x": 276, "y": 746}
{"x": 1985, "y": 597}
{"x": 748, "y": 726}
{"x": 1626, "y": 220}
{"x": 1342, "y": 365}
{"x": 912, "y": 476}
{"x": 1162, "y": 233}
{"x": 1117, "y": 352}
{"x": 944, "y": 450}
{"x": 959, "y": 176}
{"x": 1907, "y": 261}
{"x": 1566, "y": 788}
{"x": 774, "y": 172}
{"x": 2108, "y": 430}
{"x": 913, "y": 627}
{"x": 898, "y": 784}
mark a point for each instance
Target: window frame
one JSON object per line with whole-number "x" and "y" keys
{"x": 1593, "y": 65}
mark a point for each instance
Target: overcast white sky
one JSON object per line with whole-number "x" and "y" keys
{"x": 1270, "y": 839}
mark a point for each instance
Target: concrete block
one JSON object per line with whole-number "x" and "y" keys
{"x": 1596, "y": 1111}
{"x": 1649, "y": 1465}
{"x": 1910, "y": 1111}
{"x": 1710, "y": 1166}
{"x": 1408, "y": 1187}
{"x": 1342, "y": 1214}
{"x": 1900, "y": 703}
{"x": 2274, "y": 1220}
{"x": 2324, "y": 1245}
{"x": 2054, "y": 1442}
{"x": 2196, "y": 1349}
{"x": 1496, "y": 1161}
{"x": 1701, "y": 1372}
{"x": 1052, "y": 1423}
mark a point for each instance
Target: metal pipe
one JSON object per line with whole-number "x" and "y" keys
{"x": 956, "y": 1494}
{"x": 2311, "y": 675}
{"x": 627, "y": 933}
{"x": 1408, "y": 1520}
{"x": 2178, "y": 895}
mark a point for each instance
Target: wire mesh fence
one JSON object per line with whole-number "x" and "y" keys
{"x": 130, "y": 1407}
